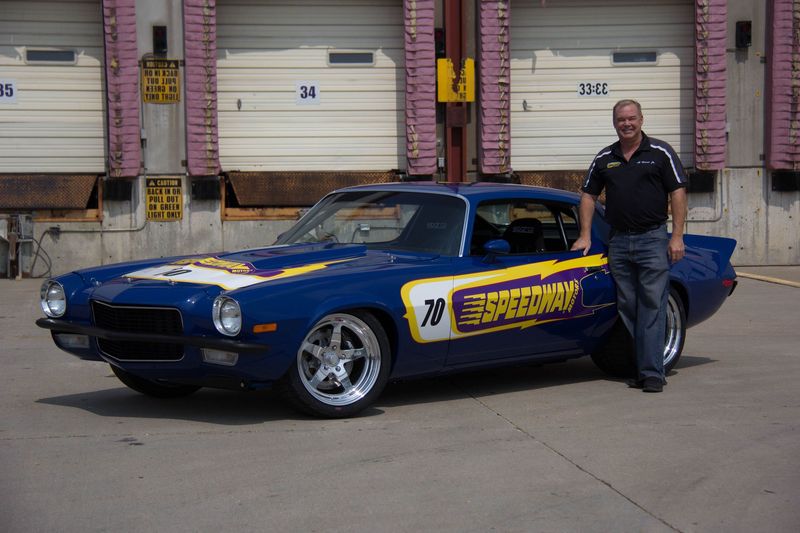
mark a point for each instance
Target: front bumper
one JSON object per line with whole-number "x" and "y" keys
{"x": 232, "y": 345}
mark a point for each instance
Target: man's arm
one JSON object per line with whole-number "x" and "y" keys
{"x": 679, "y": 206}
{"x": 586, "y": 213}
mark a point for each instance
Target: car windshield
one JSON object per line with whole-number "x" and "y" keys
{"x": 385, "y": 220}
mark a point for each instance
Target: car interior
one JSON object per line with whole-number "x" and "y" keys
{"x": 435, "y": 228}
{"x": 528, "y": 227}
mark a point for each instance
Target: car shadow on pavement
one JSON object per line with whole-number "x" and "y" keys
{"x": 233, "y": 408}
{"x": 504, "y": 380}
{"x": 688, "y": 361}
{"x": 213, "y": 406}
{"x": 487, "y": 382}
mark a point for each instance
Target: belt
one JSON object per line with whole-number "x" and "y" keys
{"x": 637, "y": 231}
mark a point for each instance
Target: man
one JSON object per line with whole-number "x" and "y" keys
{"x": 639, "y": 174}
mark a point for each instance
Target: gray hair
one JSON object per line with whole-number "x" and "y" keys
{"x": 623, "y": 103}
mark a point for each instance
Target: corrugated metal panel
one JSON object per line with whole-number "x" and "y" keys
{"x": 265, "y": 48}
{"x": 290, "y": 189}
{"x": 566, "y": 42}
{"x": 42, "y": 191}
{"x": 56, "y": 124}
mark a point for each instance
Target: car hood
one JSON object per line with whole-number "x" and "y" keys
{"x": 239, "y": 270}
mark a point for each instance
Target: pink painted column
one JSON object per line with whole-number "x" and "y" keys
{"x": 122, "y": 88}
{"x": 710, "y": 79}
{"x": 783, "y": 87}
{"x": 494, "y": 138}
{"x": 200, "y": 48}
{"x": 420, "y": 72}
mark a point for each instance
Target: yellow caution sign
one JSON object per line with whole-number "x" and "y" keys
{"x": 164, "y": 197}
{"x": 451, "y": 89}
{"x": 161, "y": 82}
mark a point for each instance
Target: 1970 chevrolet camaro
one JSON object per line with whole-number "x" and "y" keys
{"x": 375, "y": 283}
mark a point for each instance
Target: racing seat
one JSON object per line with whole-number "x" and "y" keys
{"x": 435, "y": 229}
{"x": 525, "y": 236}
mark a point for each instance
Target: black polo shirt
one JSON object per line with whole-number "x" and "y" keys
{"x": 636, "y": 190}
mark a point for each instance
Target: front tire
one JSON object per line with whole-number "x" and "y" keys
{"x": 341, "y": 366}
{"x": 617, "y": 357}
{"x": 153, "y": 388}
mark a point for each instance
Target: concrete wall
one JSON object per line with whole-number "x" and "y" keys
{"x": 744, "y": 207}
{"x": 126, "y": 235}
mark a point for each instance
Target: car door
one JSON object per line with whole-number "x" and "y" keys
{"x": 539, "y": 299}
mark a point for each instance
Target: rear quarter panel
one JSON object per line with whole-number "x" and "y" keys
{"x": 701, "y": 273}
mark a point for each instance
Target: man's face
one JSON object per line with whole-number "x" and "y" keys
{"x": 628, "y": 122}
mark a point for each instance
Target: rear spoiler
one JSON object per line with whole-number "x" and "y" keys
{"x": 719, "y": 248}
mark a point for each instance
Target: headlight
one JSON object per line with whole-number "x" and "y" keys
{"x": 54, "y": 302}
{"x": 227, "y": 316}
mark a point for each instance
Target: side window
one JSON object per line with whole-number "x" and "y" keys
{"x": 569, "y": 223}
{"x": 529, "y": 226}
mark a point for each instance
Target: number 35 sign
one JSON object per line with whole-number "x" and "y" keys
{"x": 8, "y": 91}
{"x": 307, "y": 93}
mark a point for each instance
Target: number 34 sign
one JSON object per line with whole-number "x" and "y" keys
{"x": 307, "y": 93}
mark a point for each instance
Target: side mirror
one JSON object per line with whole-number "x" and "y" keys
{"x": 495, "y": 247}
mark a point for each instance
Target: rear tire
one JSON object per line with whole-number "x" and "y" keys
{"x": 152, "y": 388}
{"x": 617, "y": 357}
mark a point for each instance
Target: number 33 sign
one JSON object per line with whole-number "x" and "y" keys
{"x": 593, "y": 88}
{"x": 307, "y": 93}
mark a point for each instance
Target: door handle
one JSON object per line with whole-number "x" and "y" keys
{"x": 593, "y": 269}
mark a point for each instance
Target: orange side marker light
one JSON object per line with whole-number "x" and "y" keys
{"x": 265, "y": 328}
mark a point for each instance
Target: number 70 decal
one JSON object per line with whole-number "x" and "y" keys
{"x": 523, "y": 296}
{"x": 435, "y": 311}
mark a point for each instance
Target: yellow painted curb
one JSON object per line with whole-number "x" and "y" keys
{"x": 768, "y": 279}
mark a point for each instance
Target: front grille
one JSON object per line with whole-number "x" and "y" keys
{"x": 131, "y": 319}
{"x": 156, "y": 320}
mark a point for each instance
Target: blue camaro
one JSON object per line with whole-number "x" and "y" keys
{"x": 375, "y": 283}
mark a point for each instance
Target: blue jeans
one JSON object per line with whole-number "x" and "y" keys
{"x": 640, "y": 266}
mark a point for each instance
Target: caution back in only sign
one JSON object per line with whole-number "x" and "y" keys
{"x": 161, "y": 83}
{"x": 164, "y": 198}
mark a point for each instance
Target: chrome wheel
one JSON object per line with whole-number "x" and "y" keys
{"x": 617, "y": 356}
{"x": 676, "y": 330}
{"x": 340, "y": 360}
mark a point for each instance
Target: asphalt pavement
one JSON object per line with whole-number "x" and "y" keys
{"x": 556, "y": 448}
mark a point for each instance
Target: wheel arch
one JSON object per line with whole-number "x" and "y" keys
{"x": 684, "y": 295}
{"x": 381, "y": 313}
{"x": 389, "y": 326}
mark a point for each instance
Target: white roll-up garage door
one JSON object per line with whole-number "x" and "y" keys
{"x": 571, "y": 60}
{"x": 51, "y": 73}
{"x": 314, "y": 85}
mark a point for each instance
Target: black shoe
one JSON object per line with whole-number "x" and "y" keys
{"x": 652, "y": 385}
{"x": 634, "y": 383}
